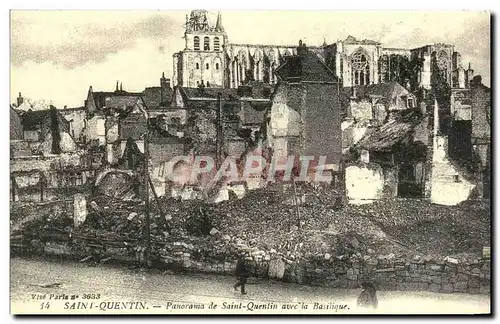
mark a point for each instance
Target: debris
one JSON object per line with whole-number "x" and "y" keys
{"x": 260, "y": 220}
{"x": 95, "y": 206}
{"x": 451, "y": 260}
{"x": 86, "y": 258}
{"x": 52, "y": 285}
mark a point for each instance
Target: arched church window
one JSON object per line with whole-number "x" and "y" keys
{"x": 207, "y": 66}
{"x": 216, "y": 44}
{"x": 197, "y": 66}
{"x": 360, "y": 69}
{"x": 196, "y": 43}
{"x": 206, "y": 43}
{"x": 442, "y": 60}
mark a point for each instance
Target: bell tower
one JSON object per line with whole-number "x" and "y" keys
{"x": 203, "y": 55}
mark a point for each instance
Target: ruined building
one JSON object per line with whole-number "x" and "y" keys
{"x": 209, "y": 58}
{"x": 305, "y": 113}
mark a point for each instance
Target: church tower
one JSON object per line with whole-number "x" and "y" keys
{"x": 203, "y": 59}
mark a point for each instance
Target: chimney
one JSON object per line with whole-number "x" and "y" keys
{"x": 20, "y": 100}
{"x": 55, "y": 131}
{"x": 121, "y": 86}
{"x": 302, "y": 49}
{"x": 116, "y": 86}
{"x": 164, "y": 89}
{"x": 469, "y": 75}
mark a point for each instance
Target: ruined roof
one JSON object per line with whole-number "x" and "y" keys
{"x": 256, "y": 90}
{"x": 211, "y": 93}
{"x": 384, "y": 90}
{"x": 117, "y": 99}
{"x": 307, "y": 67}
{"x": 152, "y": 97}
{"x": 125, "y": 103}
{"x": 41, "y": 120}
{"x": 386, "y": 136}
{"x": 71, "y": 109}
{"x": 319, "y": 51}
{"x": 352, "y": 40}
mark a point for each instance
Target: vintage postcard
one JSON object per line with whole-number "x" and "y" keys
{"x": 250, "y": 162}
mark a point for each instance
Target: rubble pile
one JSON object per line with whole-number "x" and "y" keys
{"x": 34, "y": 223}
{"x": 265, "y": 226}
{"x": 430, "y": 229}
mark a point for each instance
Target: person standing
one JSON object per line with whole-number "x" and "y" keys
{"x": 368, "y": 297}
{"x": 242, "y": 273}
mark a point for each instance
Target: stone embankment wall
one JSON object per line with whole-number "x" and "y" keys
{"x": 387, "y": 272}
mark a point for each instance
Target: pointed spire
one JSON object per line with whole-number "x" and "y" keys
{"x": 470, "y": 66}
{"x": 218, "y": 24}
{"x": 324, "y": 42}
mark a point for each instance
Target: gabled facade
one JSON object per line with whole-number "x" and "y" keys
{"x": 48, "y": 130}
{"x": 305, "y": 113}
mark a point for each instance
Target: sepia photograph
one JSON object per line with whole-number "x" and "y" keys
{"x": 250, "y": 162}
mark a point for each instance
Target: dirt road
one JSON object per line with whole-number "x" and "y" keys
{"x": 47, "y": 287}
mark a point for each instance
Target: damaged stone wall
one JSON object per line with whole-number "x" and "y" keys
{"x": 202, "y": 129}
{"x": 460, "y": 104}
{"x": 366, "y": 182}
{"x": 361, "y": 110}
{"x": 285, "y": 122}
{"x": 388, "y": 273}
{"x": 49, "y": 174}
{"x": 448, "y": 185}
{"x": 95, "y": 129}
{"x": 76, "y": 117}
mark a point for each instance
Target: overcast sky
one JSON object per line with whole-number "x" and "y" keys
{"x": 57, "y": 55}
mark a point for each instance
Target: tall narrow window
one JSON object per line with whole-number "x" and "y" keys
{"x": 216, "y": 44}
{"x": 207, "y": 66}
{"x": 197, "y": 66}
{"x": 216, "y": 66}
{"x": 196, "y": 43}
{"x": 360, "y": 69}
{"x": 206, "y": 44}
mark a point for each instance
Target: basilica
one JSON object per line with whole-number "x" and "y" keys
{"x": 210, "y": 59}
